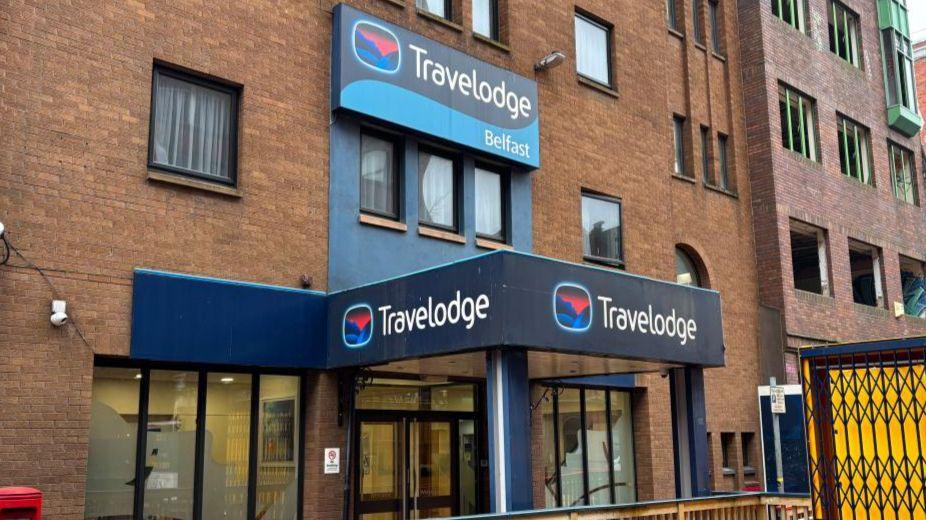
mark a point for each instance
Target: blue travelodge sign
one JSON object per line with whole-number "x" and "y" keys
{"x": 384, "y": 71}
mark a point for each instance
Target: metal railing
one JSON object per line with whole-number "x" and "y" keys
{"x": 740, "y": 506}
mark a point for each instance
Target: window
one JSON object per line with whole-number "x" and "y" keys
{"x": 727, "y": 440}
{"x": 678, "y": 134}
{"x": 898, "y": 68}
{"x": 747, "y": 439}
{"x": 791, "y": 12}
{"x": 913, "y": 281}
{"x": 686, "y": 269}
{"x": 844, "y": 33}
{"x": 808, "y": 258}
{"x": 601, "y": 229}
{"x": 865, "y": 263}
{"x": 798, "y": 130}
{"x": 583, "y": 427}
{"x": 672, "y": 14}
{"x": 593, "y": 49}
{"x": 378, "y": 175}
{"x": 706, "y": 154}
{"x": 485, "y": 18}
{"x": 194, "y": 126}
{"x": 437, "y": 190}
{"x": 723, "y": 169}
{"x": 697, "y": 24}
{"x": 713, "y": 11}
{"x": 490, "y": 205}
{"x": 854, "y": 158}
{"x": 196, "y": 444}
{"x": 902, "y": 177}
{"x": 440, "y": 8}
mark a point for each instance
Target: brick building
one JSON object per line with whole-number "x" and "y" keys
{"x": 187, "y": 184}
{"x": 919, "y": 63}
{"x": 835, "y": 169}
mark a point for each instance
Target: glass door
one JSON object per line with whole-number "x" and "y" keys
{"x": 382, "y": 470}
{"x": 432, "y": 469}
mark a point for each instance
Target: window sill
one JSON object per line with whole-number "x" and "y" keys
{"x": 718, "y": 189}
{"x": 749, "y": 470}
{"x": 441, "y": 234}
{"x": 372, "y": 220}
{"x": 491, "y": 43}
{"x": 594, "y": 85}
{"x": 676, "y": 33}
{"x": 856, "y": 182}
{"x": 719, "y": 56}
{"x": 701, "y": 46}
{"x": 440, "y": 20}
{"x": 812, "y": 297}
{"x": 728, "y": 472}
{"x": 397, "y": 3}
{"x": 181, "y": 180}
{"x": 684, "y": 178}
{"x": 798, "y": 156}
{"x": 603, "y": 262}
{"x": 872, "y": 311}
{"x": 486, "y": 243}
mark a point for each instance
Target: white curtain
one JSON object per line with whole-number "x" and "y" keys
{"x": 191, "y": 127}
{"x": 436, "y": 190}
{"x": 482, "y": 17}
{"x": 377, "y": 191}
{"x": 592, "y": 50}
{"x": 432, "y": 6}
{"x": 488, "y": 203}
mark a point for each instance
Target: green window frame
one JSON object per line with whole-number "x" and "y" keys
{"x": 897, "y": 62}
{"x": 903, "y": 179}
{"x": 844, "y": 33}
{"x": 791, "y": 12}
{"x": 798, "y": 122}
{"x": 854, "y": 155}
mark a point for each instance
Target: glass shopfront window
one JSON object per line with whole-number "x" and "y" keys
{"x": 588, "y": 457}
{"x": 196, "y": 455}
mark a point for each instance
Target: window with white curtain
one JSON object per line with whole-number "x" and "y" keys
{"x": 193, "y": 126}
{"x": 436, "y": 7}
{"x": 437, "y": 193}
{"x": 378, "y": 184}
{"x": 490, "y": 209}
{"x": 593, "y": 49}
{"x": 485, "y": 18}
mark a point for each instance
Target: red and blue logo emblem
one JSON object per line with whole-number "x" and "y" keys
{"x": 358, "y": 326}
{"x": 377, "y": 47}
{"x": 572, "y": 306}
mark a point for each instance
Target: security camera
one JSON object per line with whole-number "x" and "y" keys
{"x": 58, "y": 315}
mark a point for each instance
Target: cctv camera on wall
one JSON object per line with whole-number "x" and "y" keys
{"x": 58, "y": 315}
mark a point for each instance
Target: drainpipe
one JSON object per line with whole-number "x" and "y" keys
{"x": 350, "y": 388}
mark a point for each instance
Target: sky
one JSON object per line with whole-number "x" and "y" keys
{"x": 917, "y": 14}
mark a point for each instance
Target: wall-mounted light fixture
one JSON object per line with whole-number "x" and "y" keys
{"x": 549, "y": 61}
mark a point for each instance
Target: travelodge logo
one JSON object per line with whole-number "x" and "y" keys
{"x": 572, "y": 306}
{"x": 358, "y": 326}
{"x": 377, "y": 47}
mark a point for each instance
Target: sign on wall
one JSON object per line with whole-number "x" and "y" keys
{"x": 384, "y": 71}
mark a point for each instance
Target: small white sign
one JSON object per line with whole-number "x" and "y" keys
{"x": 777, "y": 395}
{"x": 332, "y": 461}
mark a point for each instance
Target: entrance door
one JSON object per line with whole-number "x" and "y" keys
{"x": 409, "y": 468}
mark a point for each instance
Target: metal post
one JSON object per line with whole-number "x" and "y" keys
{"x": 777, "y": 436}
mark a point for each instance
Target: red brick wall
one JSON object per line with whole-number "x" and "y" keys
{"x": 920, "y": 69}
{"x": 787, "y": 186}
{"x": 75, "y": 198}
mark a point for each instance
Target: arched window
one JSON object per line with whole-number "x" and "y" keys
{"x": 688, "y": 270}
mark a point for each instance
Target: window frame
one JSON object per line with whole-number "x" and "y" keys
{"x": 448, "y": 10}
{"x": 897, "y": 54}
{"x": 723, "y": 164}
{"x": 810, "y": 149}
{"x": 904, "y": 259}
{"x": 203, "y": 80}
{"x": 862, "y": 144}
{"x": 714, "y": 19}
{"x": 611, "y": 262}
{"x": 854, "y": 50}
{"x": 679, "y": 167}
{"x": 494, "y": 21}
{"x": 876, "y": 254}
{"x": 504, "y": 180}
{"x": 707, "y": 146}
{"x": 608, "y": 29}
{"x": 457, "y": 161}
{"x": 697, "y": 23}
{"x": 909, "y": 159}
{"x": 672, "y": 18}
{"x": 202, "y": 371}
{"x": 798, "y": 13}
{"x": 398, "y": 159}
{"x": 555, "y": 390}
{"x": 823, "y": 255}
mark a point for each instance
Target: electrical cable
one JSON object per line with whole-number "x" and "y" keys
{"x": 54, "y": 290}
{"x": 6, "y": 250}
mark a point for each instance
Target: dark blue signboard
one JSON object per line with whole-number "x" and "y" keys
{"x": 384, "y": 71}
{"x": 524, "y": 301}
{"x": 793, "y": 441}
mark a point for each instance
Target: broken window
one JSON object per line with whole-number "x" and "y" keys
{"x": 808, "y": 258}
{"x": 913, "y": 282}
{"x": 902, "y": 176}
{"x": 844, "y": 34}
{"x": 853, "y": 150}
{"x": 798, "y": 130}
{"x": 865, "y": 263}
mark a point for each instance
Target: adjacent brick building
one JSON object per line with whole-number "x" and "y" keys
{"x": 808, "y": 205}
{"x": 86, "y": 197}
{"x": 919, "y": 61}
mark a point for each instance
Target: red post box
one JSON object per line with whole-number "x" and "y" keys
{"x": 20, "y": 503}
